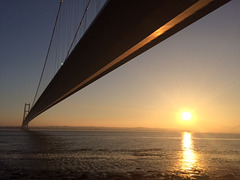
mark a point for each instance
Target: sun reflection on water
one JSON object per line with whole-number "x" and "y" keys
{"x": 189, "y": 156}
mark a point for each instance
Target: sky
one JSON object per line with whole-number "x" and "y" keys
{"x": 195, "y": 70}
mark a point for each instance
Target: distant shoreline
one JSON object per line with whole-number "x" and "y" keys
{"x": 125, "y": 129}
{"x": 94, "y": 128}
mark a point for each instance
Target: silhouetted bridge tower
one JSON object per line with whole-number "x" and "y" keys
{"x": 120, "y": 31}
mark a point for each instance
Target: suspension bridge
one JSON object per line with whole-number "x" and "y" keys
{"x": 91, "y": 38}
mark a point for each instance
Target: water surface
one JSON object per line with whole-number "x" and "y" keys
{"x": 75, "y": 154}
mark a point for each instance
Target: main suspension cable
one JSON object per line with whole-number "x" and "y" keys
{"x": 85, "y": 12}
{"x": 54, "y": 29}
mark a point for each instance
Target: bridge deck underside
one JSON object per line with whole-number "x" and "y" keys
{"x": 108, "y": 43}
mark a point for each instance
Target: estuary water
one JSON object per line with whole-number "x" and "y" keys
{"x": 78, "y": 154}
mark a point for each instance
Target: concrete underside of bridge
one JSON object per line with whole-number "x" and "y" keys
{"x": 122, "y": 30}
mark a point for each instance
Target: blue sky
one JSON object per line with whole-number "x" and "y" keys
{"x": 197, "y": 69}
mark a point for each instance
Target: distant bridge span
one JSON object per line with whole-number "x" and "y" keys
{"x": 121, "y": 31}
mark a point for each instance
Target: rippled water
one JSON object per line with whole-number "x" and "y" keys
{"x": 72, "y": 154}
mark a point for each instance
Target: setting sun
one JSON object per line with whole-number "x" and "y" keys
{"x": 186, "y": 116}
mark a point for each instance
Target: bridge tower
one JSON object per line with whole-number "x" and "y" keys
{"x": 25, "y": 113}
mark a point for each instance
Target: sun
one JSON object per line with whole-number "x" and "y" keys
{"x": 186, "y": 116}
